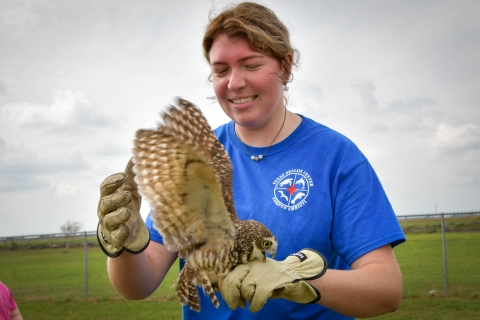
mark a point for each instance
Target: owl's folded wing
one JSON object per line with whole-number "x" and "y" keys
{"x": 182, "y": 190}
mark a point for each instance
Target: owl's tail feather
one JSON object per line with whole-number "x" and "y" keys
{"x": 194, "y": 301}
{"x": 177, "y": 279}
{"x": 207, "y": 287}
{"x": 187, "y": 291}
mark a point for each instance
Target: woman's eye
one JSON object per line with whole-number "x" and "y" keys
{"x": 220, "y": 71}
{"x": 253, "y": 67}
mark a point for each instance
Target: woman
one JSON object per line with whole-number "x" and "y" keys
{"x": 308, "y": 184}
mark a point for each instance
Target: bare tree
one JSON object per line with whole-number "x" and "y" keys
{"x": 70, "y": 228}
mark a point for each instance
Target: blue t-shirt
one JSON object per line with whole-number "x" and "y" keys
{"x": 315, "y": 189}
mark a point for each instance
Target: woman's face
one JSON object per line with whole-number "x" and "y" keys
{"x": 248, "y": 84}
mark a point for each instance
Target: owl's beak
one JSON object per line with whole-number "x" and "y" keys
{"x": 272, "y": 251}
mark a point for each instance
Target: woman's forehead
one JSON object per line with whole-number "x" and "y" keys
{"x": 226, "y": 48}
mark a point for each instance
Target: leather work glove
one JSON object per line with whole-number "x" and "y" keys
{"x": 121, "y": 226}
{"x": 257, "y": 281}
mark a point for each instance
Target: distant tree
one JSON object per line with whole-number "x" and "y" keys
{"x": 70, "y": 228}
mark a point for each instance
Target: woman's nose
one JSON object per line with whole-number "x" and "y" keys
{"x": 236, "y": 81}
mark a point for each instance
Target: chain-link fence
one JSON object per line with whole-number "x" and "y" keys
{"x": 45, "y": 238}
{"x": 440, "y": 258}
{"x": 64, "y": 240}
{"x": 441, "y": 255}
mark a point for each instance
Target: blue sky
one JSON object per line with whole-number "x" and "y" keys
{"x": 78, "y": 78}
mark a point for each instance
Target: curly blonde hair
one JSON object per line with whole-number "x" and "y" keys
{"x": 260, "y": 27}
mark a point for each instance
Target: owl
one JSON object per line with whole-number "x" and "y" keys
{"x": 185, "y": 174}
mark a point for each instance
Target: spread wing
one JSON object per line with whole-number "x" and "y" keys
{"x": 182, "y": 189}
{"x": 188, "y": 123}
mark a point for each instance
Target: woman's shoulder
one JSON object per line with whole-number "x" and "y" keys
{"x": 222, "y": 129}
{"x": 222, "y": 132}
{"x": 316, "y": 132}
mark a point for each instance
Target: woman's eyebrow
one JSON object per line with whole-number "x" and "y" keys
{"x": 253, "y": 56}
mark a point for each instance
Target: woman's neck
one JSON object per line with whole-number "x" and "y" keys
{"x": 279, "y": 129}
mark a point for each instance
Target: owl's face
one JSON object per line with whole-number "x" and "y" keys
{"x": 262, "y": 246}
{"x": 255, "y": 240}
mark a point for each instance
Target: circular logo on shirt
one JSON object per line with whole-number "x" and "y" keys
{"x": 292, "y": 189}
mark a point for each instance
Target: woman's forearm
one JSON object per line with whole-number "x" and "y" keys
{"x": 373, "y": 287}
{"x": 137, "y": 276}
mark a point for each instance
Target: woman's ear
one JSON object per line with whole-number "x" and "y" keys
{"x": 289, "y": 58}
{"x": 287, "y": 68}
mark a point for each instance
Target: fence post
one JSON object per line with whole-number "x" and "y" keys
{"x": 444, "y": 245}
{"x": 85, "y": 245}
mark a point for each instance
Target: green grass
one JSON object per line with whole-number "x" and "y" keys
{"x": 49, "y": 283}
{"x": 105, "y": 310}
{"x": 454, "y": 224}
{"x": 436, "y": 308}
{"x": 421, "y": 261}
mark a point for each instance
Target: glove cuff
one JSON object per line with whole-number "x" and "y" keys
{"x": 107, "y": 248}
{"x": 318, "y": 294}
{"x": 144, "y": 235}
{"x": 300, "y": 292}
{"x": 325, "y": 265}
{"x": 310, "y": 265}
{"x": 111, "y": 251}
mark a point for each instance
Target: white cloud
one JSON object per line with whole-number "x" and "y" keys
{"x": 366, "y": 89}
{"x": 414, "y": 114}
{"x": 65, "y": 189}
{"x": 68, "y": 109}
{"x": 3, "y": 89}
{"x": 411, "y": 105}
{"x": 18, "y": 16}
{"x": 79, "y": 77}
{"x": 304, "y": 98}
{"x": 457, "y": 139}
{"x": 23, "y": 169}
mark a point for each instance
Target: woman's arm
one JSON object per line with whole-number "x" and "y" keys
{"x": 137, "y": 276}
{"x": 373, "y": 286}
{"x": 15, "y": 315}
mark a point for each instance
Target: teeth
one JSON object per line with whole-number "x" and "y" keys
{"x": 244, "y": 100}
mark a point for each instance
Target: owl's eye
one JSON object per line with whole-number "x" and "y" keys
{"x": 267, "y": 244}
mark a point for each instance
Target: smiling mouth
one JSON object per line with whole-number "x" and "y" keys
{"x": 244, "y": 100}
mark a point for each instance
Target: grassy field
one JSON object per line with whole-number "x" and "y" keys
{"x": 452, "y": 224}
{"x": 49, "y": 283}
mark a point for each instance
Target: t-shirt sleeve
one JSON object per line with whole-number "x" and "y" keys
{"x": 13, "y": 304}
{"x": 6, "y": 299}
{"x": 363, "y": 212}
{"x": 154, "y": 234}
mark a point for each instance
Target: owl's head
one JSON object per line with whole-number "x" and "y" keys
{"x": 264, "y": 245}
{"x": 258, "y": 240}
